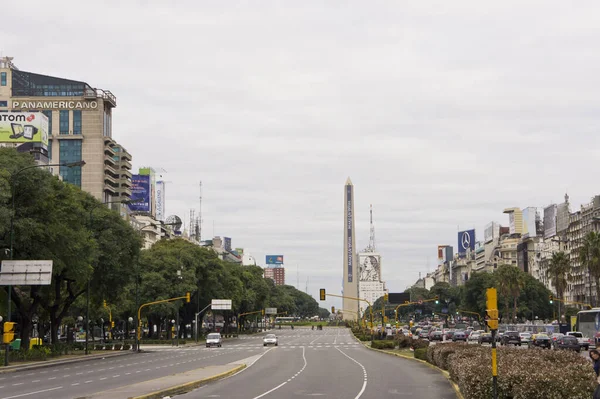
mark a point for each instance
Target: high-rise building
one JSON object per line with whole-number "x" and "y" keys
{"x": 79, "y": 128}
{"x": 350, "y": 271}
{"x": 277, "y": 274}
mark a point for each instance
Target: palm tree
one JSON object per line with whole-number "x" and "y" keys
{"x": 559, "y": 273}
{"x": 589, "y": 255}
{"x": 511, "y": 281}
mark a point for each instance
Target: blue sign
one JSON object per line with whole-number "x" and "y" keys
{"x": 274, "y": 260}
{"x": 466, "y": 240}
{"x": 140, "y": 191}
{"x": 227, "y": 244}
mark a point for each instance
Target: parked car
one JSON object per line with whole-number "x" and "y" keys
{"x": 556, "y": 336}
{"x": 485, "y": 338}
{"x": 567, "y": 342}
{"x": 424, "y": 334}
{"x": 540, "y": 341}
{"x": 449, "y": 335}
{"x": 437, "y": 336}
{"x": 459, "y": 336}
{"x": 584, "y": 342}
{"x": 511, "y": 337}
{"x": 214, "y": 339}
{"x": 270, "y": 339}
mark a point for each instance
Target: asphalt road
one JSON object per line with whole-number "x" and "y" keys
{"x": 329, "y": 364}
{"x": 81, "y": 379}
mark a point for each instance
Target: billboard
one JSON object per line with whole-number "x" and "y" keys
{"x": 550, "y": 221}
{"x": 160, "y": 200}
{"x": 274, "y": 259}
{"x": 466, "y": 241}
{"x": 369, "y": 267}
{"x": 529, "y": 221}
{"x": 24, "y": 127}
{"x": 441, "y": 252}
{"x": 398, "y": 298}
{"x": 449, "y": 253}
{"x": 140, "y": 191}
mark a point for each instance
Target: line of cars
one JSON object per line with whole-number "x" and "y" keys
{"x": 215, "y": 339}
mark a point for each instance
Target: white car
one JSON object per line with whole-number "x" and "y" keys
{"x": 474, "y": 337}
{"x": 214, "y": 339}
{"x": 525, "y": 337}
{"x": 270, "y": 339}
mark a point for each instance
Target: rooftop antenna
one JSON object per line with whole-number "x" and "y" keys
{"x": 200, "y": 216}
{"x": 297, "y": 278}
{"x": 371, "y": 247}
{"x": 306, "y": 288}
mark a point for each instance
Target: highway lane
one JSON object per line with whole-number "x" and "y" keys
{"x": 80, "y": 379}
{"x": 328, "y": 363}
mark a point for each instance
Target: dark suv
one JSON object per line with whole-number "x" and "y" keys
{"x": 511, "y": 337}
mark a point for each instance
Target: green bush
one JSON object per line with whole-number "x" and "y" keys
{"x": 126, "y": 347}
{"x": 382, "y": 344}
{"x": 118, "y": 347}
{"x": 420, "y": 344}
{"x": 37, "y": 353}
{"x": 421, "y": 353}
{"x": 364, "y": 337}
{"x": 98, "y": 347}
{"x": 108, "y": 347}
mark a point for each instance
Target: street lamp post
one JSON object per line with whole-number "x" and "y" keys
{"x": 12, "y": 226}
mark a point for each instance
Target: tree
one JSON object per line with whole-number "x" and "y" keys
{"x": 589, "y": 255}
{"x": 510, "y": 281}
{"x": 324, "y": 313}
{"x": 473, "y": 298}
{"x": 558, "y": 273}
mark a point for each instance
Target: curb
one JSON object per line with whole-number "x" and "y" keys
{"x": 189, "y": 386}
{"x": 49, "y": 363}
{"x": 444, "y": 372}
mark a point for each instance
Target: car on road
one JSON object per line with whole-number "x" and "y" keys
{"x": 437, "y": 336}
{"x": 567, "y": 342}
{"x": 474, "y": 337}
{"x": 511, "y": 337}
{"x": 459, "y": 336}
{"x": 525, "y": 337}
{"x": 448, "y": 335}
{"x": 485, "y": 338}
{"x": 540, "y": 341}
{"x": 423, "y": 334}
{"x": 584, "y": 342}
{"x": 270, "y": 339}
{"x": 214, "y": 339}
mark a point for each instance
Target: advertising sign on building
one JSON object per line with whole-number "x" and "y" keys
{"x": 227, "y": 243}
{"x": 160, "y": 200}
{"x": 529, "y": 218}
{"x": 466, "y": 241}
{"x": 492, "y": 230}
{"x": 550, "y": 221}
{"x": 449, "y": 253}
{"x": 24, "y": 127}
{"x": 441, "y": 253}
{"x": 274, "y": 260}
{"x": 369, "y": 267}
{"x": 140, "y": 192}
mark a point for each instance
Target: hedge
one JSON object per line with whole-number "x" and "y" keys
{"x": 383, "y": 344}
{"x": 522, "y": 373}
{"x": 421, "y": 353}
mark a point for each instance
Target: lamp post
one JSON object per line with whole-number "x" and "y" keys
{"x": 12, "y": 225}
{"x": 126, "y": 334}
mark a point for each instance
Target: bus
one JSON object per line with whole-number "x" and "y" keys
{"x": 279, "y": 320}
{"x": 588, "y": 322}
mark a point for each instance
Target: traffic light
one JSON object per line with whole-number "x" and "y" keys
{"x": 262, "y": 312}
{"x": 104, "y": 303}
{"x": 187, "y": 297}
{"x": 322, "y": 294}
{"x": 491, "y": 311}
{"x": 385, "y": 319}
{"x": 9, "y": 332}
{"x": 112, "y": 324}
{"x": 385, "y": 297}
{"x": 551, "y": 297}
{"x": 437, "y": 299}
{"x": 333, "y": 309}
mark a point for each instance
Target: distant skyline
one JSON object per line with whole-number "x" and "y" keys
{"x": 442, "y": 113}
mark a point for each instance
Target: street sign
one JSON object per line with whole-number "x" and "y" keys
{"x": 221, "y": 304}
{"x": 26, "y": 272}
{"x": 398, "y": 298}
{"x": 270, "y": 310}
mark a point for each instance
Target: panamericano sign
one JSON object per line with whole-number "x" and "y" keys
{"x": 55, "y": 104}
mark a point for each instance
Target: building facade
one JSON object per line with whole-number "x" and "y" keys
{"x": 277, "y": 274}
{"x": 79, "y": 128}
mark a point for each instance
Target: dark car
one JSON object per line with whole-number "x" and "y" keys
{"x": 540, "y": 341}
{"x": 436, "y": 336}
{"x": 567, "y": 342}
{"x": 449, "y": 335}
{"x": 485, "y": 338}
{"x": 459, "y": 336}
{"x": 511, "y": 337}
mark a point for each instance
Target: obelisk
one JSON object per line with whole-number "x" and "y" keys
{"x": 350, "y": 266}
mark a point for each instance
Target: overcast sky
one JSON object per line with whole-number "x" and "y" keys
{"x": 442, "y": 113}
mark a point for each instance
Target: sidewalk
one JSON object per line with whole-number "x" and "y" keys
{"x": 171, "y": 385}
{"x": 72, "y": 359}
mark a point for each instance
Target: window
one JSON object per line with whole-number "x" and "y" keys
{"x": 70, "y": 151}
{"x": 63, "y": 122}
{"x": 48, "y": 113}
{"x": 77, "y": 122}
{"x": 3, "y": 103}
{"x": 2, "y": 78}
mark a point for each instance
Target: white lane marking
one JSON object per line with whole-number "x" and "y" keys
{"x": 285, "y": 382}
{"x": 74, "y": 384}
{"x": 87, "y": 382}
{"x": 18, "y": 383}
{"x": 311, "y": 342}
{"x": 364, "y": 373}
{"x": 32, "y": 393}
{"x": 35, "y": 381}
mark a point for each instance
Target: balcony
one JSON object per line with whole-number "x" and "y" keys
{"x": 125, "y": 182}
{"x": 126, "y": 174}
{"x": 108, "y": 179}
{"x": 125, "y": 164}
{"x": 109, "y": 161}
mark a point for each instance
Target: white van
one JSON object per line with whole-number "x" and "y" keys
{"x": 214, "y": 339}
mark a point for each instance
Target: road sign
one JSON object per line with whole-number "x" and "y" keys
{"x": 26, "y": 272}
{"x": 270, "y": 310}
{"x": 397, "y": 298}
{"x": 221, "y": 304}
